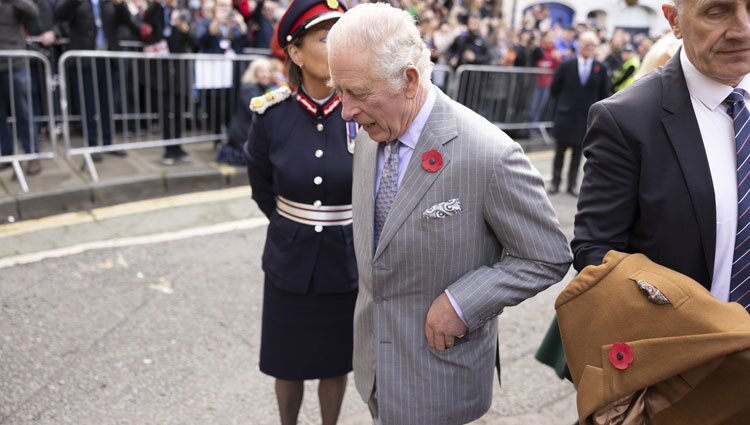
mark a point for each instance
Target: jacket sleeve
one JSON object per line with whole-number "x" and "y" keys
{"x": 27, "y": 9}
{"x": 608, "y": 202}
{"x": 259, "y": 167}
{"x": 535, "y": 251}
{"x": 65, "y": 9}
{"x": 558, "y": 80}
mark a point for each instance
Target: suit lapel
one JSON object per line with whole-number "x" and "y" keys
{"x": 685, "y": 136}
{"x": 365, "y": 165}
{"x": 439, "y": 130}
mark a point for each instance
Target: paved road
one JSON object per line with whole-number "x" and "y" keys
{"x": 149, "y": 314}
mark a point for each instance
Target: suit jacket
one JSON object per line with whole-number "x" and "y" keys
{"x": 79, "y": 14}
{"x": 690, "y": 355}
{"x": 504, "y": 246}
{"x": 574, "y": 100}
{"x": 647, "y": 185}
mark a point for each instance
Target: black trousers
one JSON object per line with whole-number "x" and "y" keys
{"x": 575, "y": 163}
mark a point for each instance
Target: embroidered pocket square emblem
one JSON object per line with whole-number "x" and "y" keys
{"x": 443, "y": 209}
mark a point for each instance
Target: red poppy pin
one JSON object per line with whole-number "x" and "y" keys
{"x": 597, "y": 68}
{"x": 620, "y": 355}
{"x": 432, "y": 161}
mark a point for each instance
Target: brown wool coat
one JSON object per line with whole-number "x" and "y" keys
{"x": 692, "y": 355}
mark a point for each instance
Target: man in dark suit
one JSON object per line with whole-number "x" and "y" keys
{"x": 662, "y": 169}
{"x": 93, "y": 25}
{"x": 578, "y": 84}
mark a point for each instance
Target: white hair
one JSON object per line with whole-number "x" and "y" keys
{"x": 391, "y": 38}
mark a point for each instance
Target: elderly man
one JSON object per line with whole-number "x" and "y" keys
{"x": 667, "y": 159}
{"x": 451, "y": 225}
{"x": 579, "y": 82}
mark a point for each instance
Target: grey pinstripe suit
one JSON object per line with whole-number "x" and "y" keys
{"x": 503, "y": 247}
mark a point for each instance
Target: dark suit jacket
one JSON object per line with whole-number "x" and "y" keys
{"x": 175, "y": 74}
{"x": 79, "y": 15}
{"x": 647, "y": 186}
{"x": 574, "y": 100}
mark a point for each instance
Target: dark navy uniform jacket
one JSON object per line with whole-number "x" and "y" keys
{"x": 291, "y": 149}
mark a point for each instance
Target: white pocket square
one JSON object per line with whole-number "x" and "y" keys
{"x": 443, "y": 209}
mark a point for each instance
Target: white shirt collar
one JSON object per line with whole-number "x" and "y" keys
{"x": 411, "y": 135}
{"x": 708, "y": 91}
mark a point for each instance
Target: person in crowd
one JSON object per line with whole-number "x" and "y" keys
{"x": 470, "y": 47}
{"x": 255, "y": 82}
{"x": 525, "y": 48}
{"x": 15, "y": 84}
{"x": 566, "y": 44}
{"x": 545, "y": 56}
{"x": 443, "y": 243}
{"x": 263, "y": 19}
{"x": 577, "y": 84}
{"x": 299, "y": 154}
{"x": 625, "y": 76}
{"x": 92, "y": 25}
{"x": 226, "y": 31}
{"x": 613, "y": 56}
{"x": 225, "y": 34}
{"x": 169, "y": 81}
{"x": 666, "y": 169}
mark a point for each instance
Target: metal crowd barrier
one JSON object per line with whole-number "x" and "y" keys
{"x": 512, "y": 98}
{"x": 26, "y": 110}
{"x": 442, "y": 76}
{"x": 118, "y": 101}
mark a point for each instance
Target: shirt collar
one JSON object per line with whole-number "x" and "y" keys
{"x": 708, "y": 91}
{"x": 411, "y": 135}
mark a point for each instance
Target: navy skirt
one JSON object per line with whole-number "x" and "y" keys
{"x": 306, "y": 336}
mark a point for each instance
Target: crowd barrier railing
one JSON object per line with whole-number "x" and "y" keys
{"x": 512, "y": 98}
{"x": 26, "y": 110}
{"x": 120, "y": 101}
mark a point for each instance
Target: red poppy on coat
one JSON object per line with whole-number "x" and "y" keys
{"x": 432, "y": 160}
{"x": 620, "y": 355}
{"x": 597, "y": 68}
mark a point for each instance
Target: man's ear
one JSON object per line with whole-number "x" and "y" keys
{"x": 295, "y": 55}
{"x": 413, "y": 80}
{"x": 670, "y": 13}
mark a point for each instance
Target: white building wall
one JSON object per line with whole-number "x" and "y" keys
{"x": 647, "y": 13}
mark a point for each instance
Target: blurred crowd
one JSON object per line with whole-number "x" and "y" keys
{"x": 471, "y": 32}
{"x": 458, "y": 33}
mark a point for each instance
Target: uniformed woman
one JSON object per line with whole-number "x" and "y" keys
{"x": 299, "y": 153}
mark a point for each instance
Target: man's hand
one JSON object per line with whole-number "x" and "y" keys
{"x": 443, "y": 324}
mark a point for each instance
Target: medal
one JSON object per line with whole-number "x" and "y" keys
{"x": 351, "y": 133}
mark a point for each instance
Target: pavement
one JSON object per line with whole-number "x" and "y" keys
{"x": 65, "y": 185}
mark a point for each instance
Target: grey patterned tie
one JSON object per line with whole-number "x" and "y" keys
{"x": 387, "y": 191}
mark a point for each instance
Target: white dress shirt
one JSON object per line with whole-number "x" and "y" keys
{"x": 717, "y": 132}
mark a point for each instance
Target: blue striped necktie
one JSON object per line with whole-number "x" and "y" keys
{"x": 739, "y": 286}
{"x": 387, "y": 191}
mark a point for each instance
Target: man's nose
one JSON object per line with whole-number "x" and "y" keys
{"x": 741, "y": 27}
{"x": 348, "y": 107}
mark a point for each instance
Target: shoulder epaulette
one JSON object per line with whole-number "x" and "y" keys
{"x": 261, "y": 103}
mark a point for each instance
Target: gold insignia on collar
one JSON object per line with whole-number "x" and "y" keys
{"x": 332, "y": 4}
